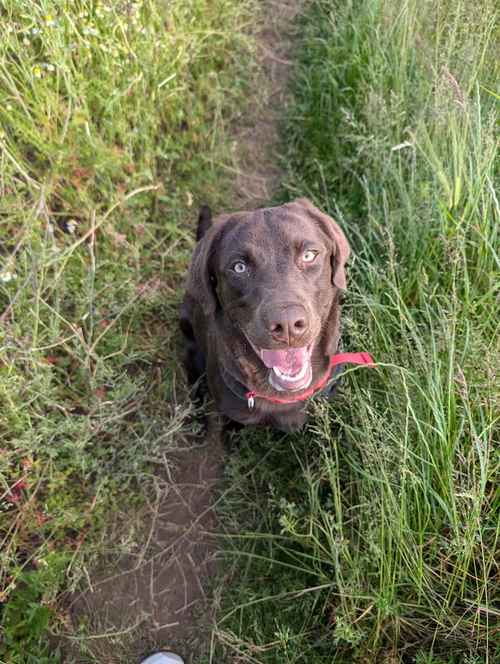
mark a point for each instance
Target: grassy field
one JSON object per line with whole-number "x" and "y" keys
{"x": 374, "y": 536}
{"x": 113, "y": 119}
{"x": 371, "y": 537}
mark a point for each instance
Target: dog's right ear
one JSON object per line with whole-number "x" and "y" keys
{"x": 204, "y": 221}
{"x": 202, "y": 282}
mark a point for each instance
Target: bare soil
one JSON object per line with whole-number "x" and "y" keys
{"x": 257, "y": 136}
{"x": 153, "y": 596}
{"x": 158, "y": 593}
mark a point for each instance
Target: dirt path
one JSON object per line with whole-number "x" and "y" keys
{"x": 257, "y": 136}
{"x": 157, "y": 595}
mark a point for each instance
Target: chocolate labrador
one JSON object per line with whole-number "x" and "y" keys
{"x": 261, "y": 314}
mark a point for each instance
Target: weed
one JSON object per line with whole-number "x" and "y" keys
{"x": 373, "y": 536}
{"x": 112, "y": 124}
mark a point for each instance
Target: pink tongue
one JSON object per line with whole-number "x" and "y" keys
{"x": 288, "y": 361}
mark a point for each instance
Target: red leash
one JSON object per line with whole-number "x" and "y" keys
{"x": 341, "y": 358}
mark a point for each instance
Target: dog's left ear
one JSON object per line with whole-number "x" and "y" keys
{"x": 340, "y": 250}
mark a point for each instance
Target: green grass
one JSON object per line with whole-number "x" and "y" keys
{"x": 113, "y": 128}
{"x": 370, "y": 538}
{"x": 374, "y": 536}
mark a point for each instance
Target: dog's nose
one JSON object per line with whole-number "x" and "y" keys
{"x": 289, "y": 324}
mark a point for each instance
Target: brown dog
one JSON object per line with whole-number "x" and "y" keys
{"x": 262, "y": 309}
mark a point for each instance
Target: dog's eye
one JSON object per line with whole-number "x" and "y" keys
{"x": 239, "y": 267}
{"x": 309, "y": 255}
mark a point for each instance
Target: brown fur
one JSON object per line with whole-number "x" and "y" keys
{"x": 225, "y": 315}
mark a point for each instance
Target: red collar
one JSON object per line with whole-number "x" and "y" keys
{"x": 335, "y": 360}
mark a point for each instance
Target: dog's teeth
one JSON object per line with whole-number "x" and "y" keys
{"x": 290, "y": 382}
{"x": 287, "y": 378}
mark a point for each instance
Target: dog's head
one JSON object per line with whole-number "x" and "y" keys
{"x": 275, "y": 274}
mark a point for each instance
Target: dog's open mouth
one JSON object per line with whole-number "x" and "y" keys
{"x": 290, "y": 368}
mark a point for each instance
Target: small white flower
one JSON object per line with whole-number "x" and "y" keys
{"x": 71, "y": 226}
{"x": 7, "y": 276}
